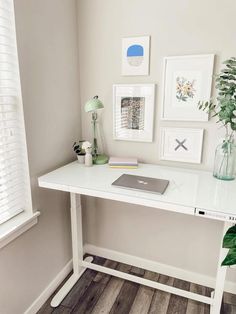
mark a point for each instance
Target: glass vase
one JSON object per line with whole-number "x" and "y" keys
{"x": 225, "y": 160}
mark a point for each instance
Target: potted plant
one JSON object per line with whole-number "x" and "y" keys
{"x": 224, "y": 108}
{"x": 79, "y": 151}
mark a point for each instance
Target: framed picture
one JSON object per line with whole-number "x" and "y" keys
{"x": 181, "y": 144}
{"x": 187, "y": 80}
{"x": 135, "y": 55}
{"x": 133, "y": 111}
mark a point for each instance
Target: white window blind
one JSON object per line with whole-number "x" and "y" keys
{"x": 14, "y": 177}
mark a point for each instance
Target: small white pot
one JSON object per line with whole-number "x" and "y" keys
{"x": 81, "y": 159}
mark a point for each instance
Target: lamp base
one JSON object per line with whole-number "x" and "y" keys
{"x": 101, "y": 160}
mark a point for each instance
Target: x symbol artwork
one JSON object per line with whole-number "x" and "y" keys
{"x": 181, "y": 144}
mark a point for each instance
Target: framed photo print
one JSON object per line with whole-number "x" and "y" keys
{"x": 133, "y": 111}
{"x": 135, "y": 55}
{"x": 187, "y": 80}
{"x": 181, "y": 144}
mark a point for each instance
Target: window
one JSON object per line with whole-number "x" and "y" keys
{"x": 15, "y": 195}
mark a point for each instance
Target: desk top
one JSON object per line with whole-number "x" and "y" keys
{"x": 190, "y": 191}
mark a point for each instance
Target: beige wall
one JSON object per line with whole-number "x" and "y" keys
{"x": 176, "y": 28}
{"x": 47, "y": 42}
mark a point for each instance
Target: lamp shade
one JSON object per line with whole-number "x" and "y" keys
{"x": 93, "y": 104}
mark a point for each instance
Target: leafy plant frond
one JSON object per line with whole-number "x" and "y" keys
{"x": 77, "y": 147}
{"x": 225, "y": 105}
{"x": 229, "y": 241}
{"x": 230, "y": 258}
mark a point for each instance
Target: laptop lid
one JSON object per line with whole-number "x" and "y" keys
{"x": 144, "y": 184}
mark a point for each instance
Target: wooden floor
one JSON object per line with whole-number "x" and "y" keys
{"x": 100, "y": 293}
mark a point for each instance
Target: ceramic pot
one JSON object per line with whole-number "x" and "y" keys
{"x": 81, "y": 159}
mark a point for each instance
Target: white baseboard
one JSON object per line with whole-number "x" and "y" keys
{"x": 157, "y": 267}
{"x": 47, "y": 292}
{"x": 127, "y": 259}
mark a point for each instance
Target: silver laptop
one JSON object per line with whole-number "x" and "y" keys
{"x": 143, "y": 184}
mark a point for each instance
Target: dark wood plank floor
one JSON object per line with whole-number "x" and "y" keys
{"x": 99, "y": 293}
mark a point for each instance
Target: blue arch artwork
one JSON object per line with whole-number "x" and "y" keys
{"x": 135, "y": 51}
{"x": 135, "y": 54}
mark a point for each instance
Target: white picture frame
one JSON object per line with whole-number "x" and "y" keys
{"x": 186, "y": 81}
{"x": 135, "y": 55}
{"x": 133, "y": 112}
{"x": 181, "y": 144}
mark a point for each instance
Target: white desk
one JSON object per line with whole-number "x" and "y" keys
{"x": 189, "y": 192}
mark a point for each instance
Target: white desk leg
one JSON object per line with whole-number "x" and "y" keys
{"x": 77, "y": 249}
{"x": 220, "y": 276}
{"x": 76, "y": 231}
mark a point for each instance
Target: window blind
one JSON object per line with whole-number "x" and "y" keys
{"x": 14, "y": 176}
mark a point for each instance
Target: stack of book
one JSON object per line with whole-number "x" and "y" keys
{"x": 122, "y": 162}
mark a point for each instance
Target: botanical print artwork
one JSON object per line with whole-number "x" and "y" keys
{"x": 187, "y": 80}
{"x": 132, "y": 113}
{"x": 185, "y": 89}
{"x": 135, "y": 55}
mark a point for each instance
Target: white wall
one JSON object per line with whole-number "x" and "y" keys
{"x": 47, "y": 38}
{"x": 176, "y": 28}
{"x": 47, "y": 42}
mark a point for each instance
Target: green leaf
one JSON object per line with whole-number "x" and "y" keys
{"x": 229, "y": 240}
{"x": 226, "y": 98}
{"x": 230, "y": 258}
{"x": 233, "y": 126}
{"x": 227, "y": 61}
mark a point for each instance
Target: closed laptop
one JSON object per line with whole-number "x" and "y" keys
{"x": 144, "y": 184}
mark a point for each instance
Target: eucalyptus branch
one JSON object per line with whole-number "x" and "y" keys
{"x": 224, "y": 107}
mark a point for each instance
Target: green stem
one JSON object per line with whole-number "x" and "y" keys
{"x": 221, "y": 165}
{"x": 227, "y": 163}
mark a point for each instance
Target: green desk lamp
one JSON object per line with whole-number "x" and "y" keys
{"x": 92, "y": 106}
